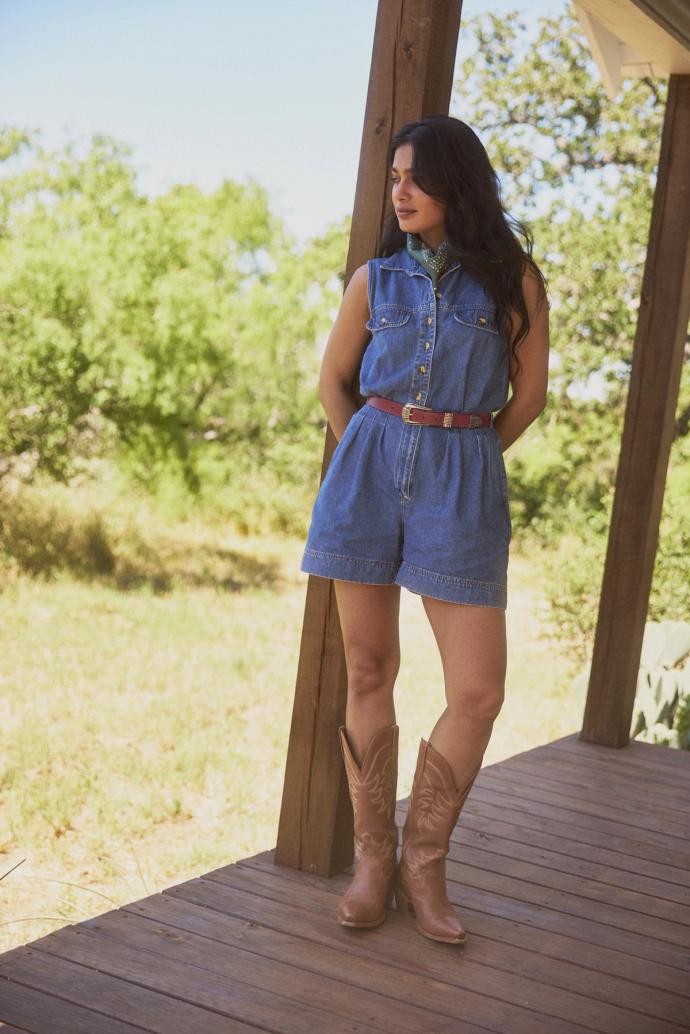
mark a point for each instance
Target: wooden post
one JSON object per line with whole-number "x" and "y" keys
{"x": 412, "y": 66}
{"x": 647, "y": 434}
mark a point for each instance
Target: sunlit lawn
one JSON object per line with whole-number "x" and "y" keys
{"x": 143, "y": 735}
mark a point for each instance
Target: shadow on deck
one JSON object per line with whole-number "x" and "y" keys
{"x": 570, "y": 868}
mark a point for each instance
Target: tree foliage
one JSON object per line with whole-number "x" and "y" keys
{"x": 179, "y": 329}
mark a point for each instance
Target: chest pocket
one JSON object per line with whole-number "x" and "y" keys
{"x": 479, "y": 317}
{"x": 388, "y": 316}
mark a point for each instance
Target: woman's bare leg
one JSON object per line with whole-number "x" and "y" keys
{"x": 369, "y": 621}
{"x": 472, "y": 643}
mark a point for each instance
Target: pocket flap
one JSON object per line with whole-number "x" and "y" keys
{"x": 480, "y": 316}
{"x": 389, "y": 315}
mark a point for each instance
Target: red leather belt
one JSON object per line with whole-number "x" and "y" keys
{"x": 414, "y": 414}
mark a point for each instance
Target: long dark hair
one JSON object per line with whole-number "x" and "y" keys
{"x": 451, "y": 164}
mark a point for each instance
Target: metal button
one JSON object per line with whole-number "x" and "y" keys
{"x": 482, "y": 320}
{"x": 418, "y": 395}
{"x": 437, "y": 293}
{"x": 383, "y": 319}
{"x": 429, "y": 319}
{"x": 422, "y": 369}
{"x": 427, "y": 345}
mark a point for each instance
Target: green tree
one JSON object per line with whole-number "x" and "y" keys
{"x": 178, "y": 330}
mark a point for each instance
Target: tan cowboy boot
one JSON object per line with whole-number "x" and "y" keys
{"x": 372, "y": 792}
{"x": 433, "y": 810}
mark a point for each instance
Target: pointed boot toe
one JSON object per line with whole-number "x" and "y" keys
{"x": 357, "y": 910}
{"x": 446, "y": 928}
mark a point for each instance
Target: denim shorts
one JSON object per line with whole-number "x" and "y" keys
{"x": 423, "y": 507}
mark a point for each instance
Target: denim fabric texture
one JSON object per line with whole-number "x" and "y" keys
{"x": 426, "y": 508}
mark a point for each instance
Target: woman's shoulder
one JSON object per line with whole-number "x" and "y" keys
{"x": 357, "y": 289}
{"x": 363, "y": 284}
{"x": 402, "y": 250}
{"x": 395, "y": 260}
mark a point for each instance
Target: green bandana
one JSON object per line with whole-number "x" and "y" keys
{"x": 435, "y": 262}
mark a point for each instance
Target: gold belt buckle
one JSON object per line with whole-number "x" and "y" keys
{"x": 406, "y": 412}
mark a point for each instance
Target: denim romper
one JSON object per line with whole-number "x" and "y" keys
{"x": 422, "y": 507}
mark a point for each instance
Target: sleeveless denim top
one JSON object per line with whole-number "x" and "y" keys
{"x": 439, "y": 348}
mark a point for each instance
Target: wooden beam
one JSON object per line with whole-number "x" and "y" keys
{"x": 673, "y": 16}
{"x": 647, "y": 434}
{"x": 412, "y": 67}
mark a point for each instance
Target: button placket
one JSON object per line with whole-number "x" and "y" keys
{"x": 423, "y": 368}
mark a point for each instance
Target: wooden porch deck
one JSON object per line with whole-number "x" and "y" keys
{"x": 570, "y": 867}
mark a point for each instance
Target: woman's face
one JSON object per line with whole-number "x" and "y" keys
{"x": 417, "y": 212}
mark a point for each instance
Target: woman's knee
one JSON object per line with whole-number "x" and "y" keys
{"x": 478, "y": 701}
{"x": 370, "y": 671}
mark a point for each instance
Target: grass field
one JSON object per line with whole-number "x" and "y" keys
{"x": 143, "y": 734}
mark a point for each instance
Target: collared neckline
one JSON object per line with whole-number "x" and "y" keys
{"x": 403, "y": 261}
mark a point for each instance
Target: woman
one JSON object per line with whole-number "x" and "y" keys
{"x": 416, "y": 495}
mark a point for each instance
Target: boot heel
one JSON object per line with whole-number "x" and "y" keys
{"x": 403, "y": 903}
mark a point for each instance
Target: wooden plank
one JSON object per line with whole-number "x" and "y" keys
{"x": 229, "y": 979}
{"x": 397, "y": 942}
{"x": 128, "y": 948}
{"x": 647, "y": 435}
{"x": 656, "y": 752}
{"x": 42, "y": 1012}
{"x": 289, "y": 964}
{"x": 569, "y": 896}
{"x": 657, "y": 755}
{"x": 525, "y": 826}
{"x": 665, "y": 821}
{"x": 608, "y": 891}
{"x": 589, "y": 865}
{"x": 503, "y": 942}
{"x": 672, "y": 15}
{"x": 70, "y": 990}
{"x": 411, "y": 75}
{"x": 651, "y": 780}
{"x": 668, "y": 765}
{"x": 613, "y": 784}
{"x": 652, "y": 756}
{"x": 617, "y": 786}
{"x": 583, "y": 827}
{"x": 672, "y": 786}
{"x": 489, "y": 823}
{"x": 648, "y": 780}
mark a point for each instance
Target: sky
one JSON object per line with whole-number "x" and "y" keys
{"x": 205, "y": 90}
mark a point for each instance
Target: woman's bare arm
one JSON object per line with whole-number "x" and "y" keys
{"x": 346, "y": 343}
{"x": 529, "y": 387}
